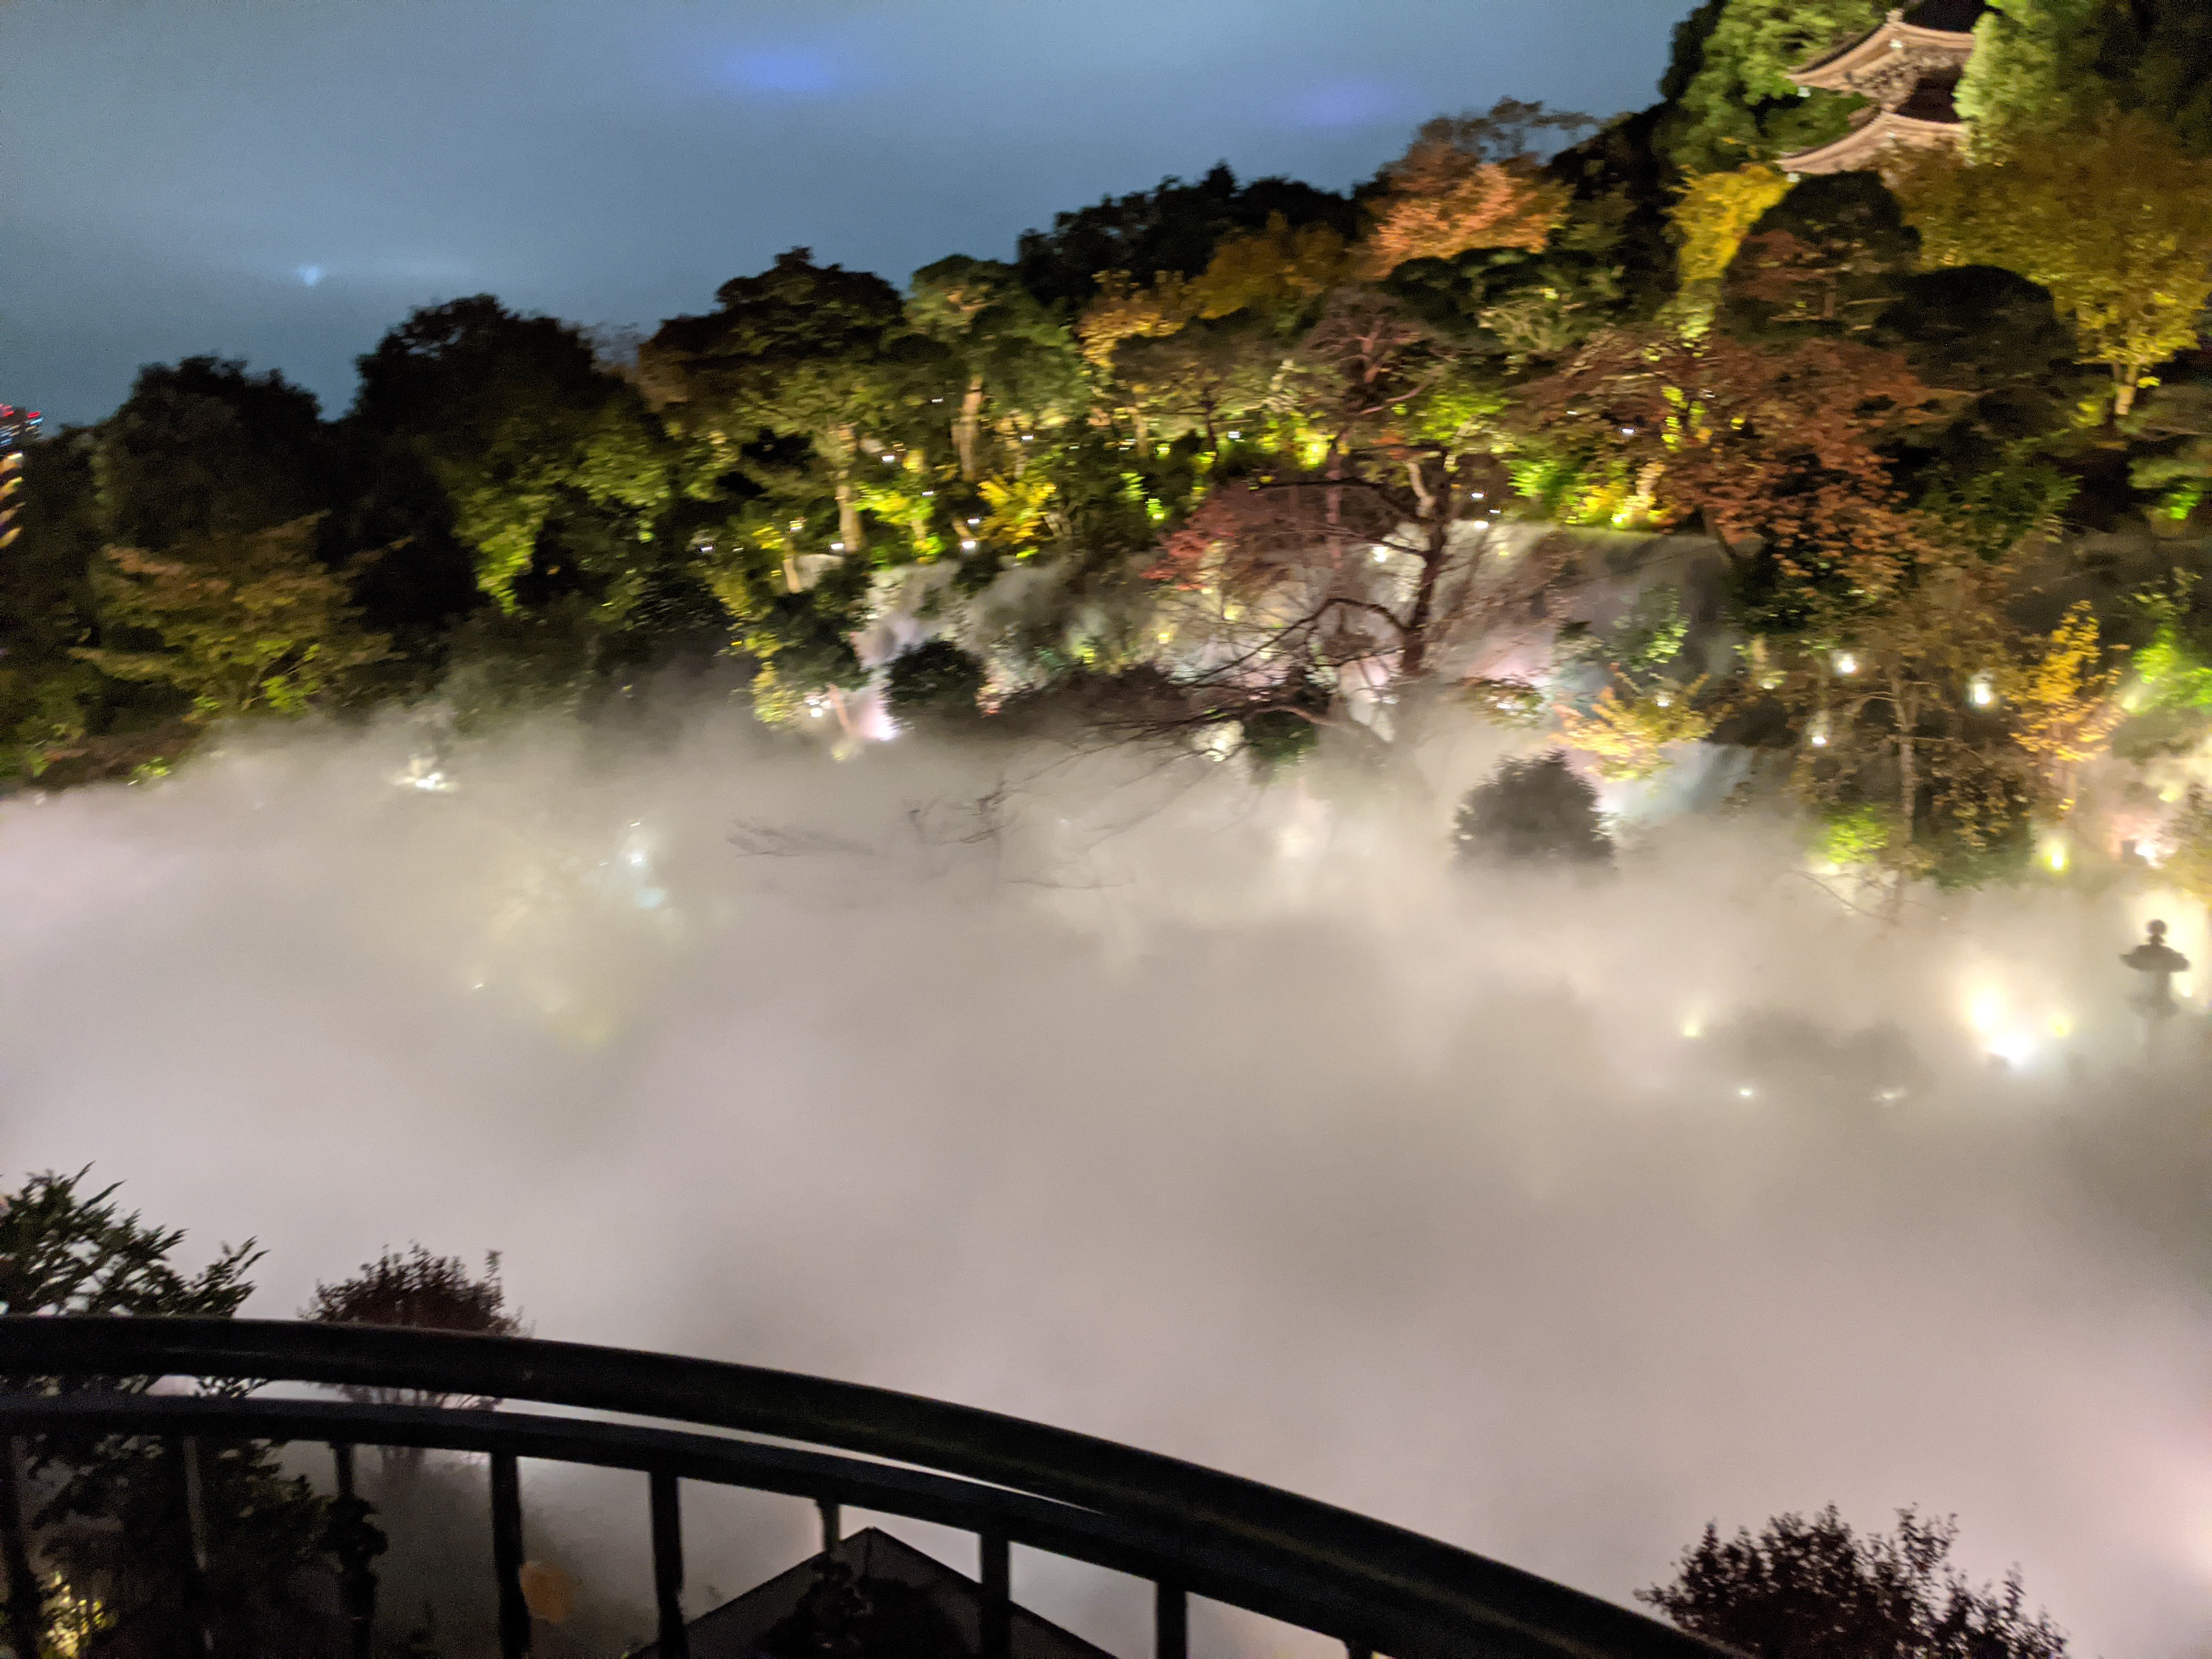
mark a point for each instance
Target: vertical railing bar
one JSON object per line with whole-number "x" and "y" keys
{"x": 1171, "y": 1622}
{"x": 506, "y": 1556}
{"x": 675, "y": 1641}
{"x": 185, "y": 1451}
{"x": 997, "y": 1604}
{"x": 27, "y": 1618}
{"x": 833, "y": 1527}
{"x": 355, "y": 1542}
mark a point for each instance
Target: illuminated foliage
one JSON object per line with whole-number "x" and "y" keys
{"x": 1775, "y": 449}
{"x": 1629, "y": 736}
{"x": 1855, "y": 837}
{"x": 2115, "y": 220}
{"x": 2033, "y": 66}
{"x": 242, "y": 623}
{"x": 1278, "y": 272}
{"x": 1440, "y": 199}
{"x": 1714, "y": 212}
{"x": 1123, "y": 311}
{"x": 2067, "y": 710}
{"x": 520, "y": 426}
{"x": 1019, "y": 509}
{"x": 1736, "y": 102}
{"x": 2042, "y": 64}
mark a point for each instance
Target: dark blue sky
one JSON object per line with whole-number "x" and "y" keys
{"x": 282, "y": 180}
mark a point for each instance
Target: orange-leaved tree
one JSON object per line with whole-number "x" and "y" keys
{"x": 1468, "y": 181}
{"x": 1775, "y": 450}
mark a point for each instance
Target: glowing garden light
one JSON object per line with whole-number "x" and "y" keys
{"x": 836, "y": 547}
{"x": 1381, "y": 555}
{"x": 1846, "y": 662}
{"x": 2055, "y": 856}
{"x": 1817, "y": 735}
{"x": 1985, "y": 1011}
{"x": 969, "y": 546}
{"x": 1981, "y": 691}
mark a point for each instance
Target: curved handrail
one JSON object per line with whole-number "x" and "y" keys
{"x": 1421, "y": 1590}
{"x": 1065, "y": 1529}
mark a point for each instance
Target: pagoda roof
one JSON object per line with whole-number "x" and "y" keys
{"x": 1935, "y": 31}
{"x": 1896, "y": 128}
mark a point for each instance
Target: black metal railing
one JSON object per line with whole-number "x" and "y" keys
{"x": 1191, "y": 1531}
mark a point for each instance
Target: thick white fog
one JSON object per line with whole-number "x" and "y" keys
{"x": 1234, "y": 1122}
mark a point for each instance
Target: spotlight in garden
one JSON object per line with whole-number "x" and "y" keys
{"x": 1980, "y": 691}
{"x": 1846, "y": 662}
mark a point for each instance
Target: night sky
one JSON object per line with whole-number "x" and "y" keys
{"x": 283, "y": 179}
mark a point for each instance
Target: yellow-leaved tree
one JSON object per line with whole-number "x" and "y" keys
{"x": 1277, "y": 272}
{"x": 2115, "y": 220}
{"x": 1713, "y": 215}
{"x": 1122, "y": 310}
{"x": 1629, "y": 736}
{"x": 2066, "y": 706}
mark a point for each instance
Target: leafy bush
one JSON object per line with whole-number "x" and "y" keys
{"x": 1536, "y": 810}
{"x": 936, "y": 678}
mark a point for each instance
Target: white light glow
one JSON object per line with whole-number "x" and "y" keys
{"x": 1846, "y": 662}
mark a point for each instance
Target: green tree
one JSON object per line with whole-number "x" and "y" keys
{"x": 816, "y": 355}
{"x": 1737, "y": 104}
{"x": 2040, "y": 65}
{"x": 542, "y": 457}
{"x": 1017, "y": 366}
{"x": 936, "y": 678}
{"x": 201, "y": 448}
{"x": 1535, "y": 810}
{"x": 242, "y": 623}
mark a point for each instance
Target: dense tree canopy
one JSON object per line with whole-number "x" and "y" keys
{"x": 1258, "y": 467}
